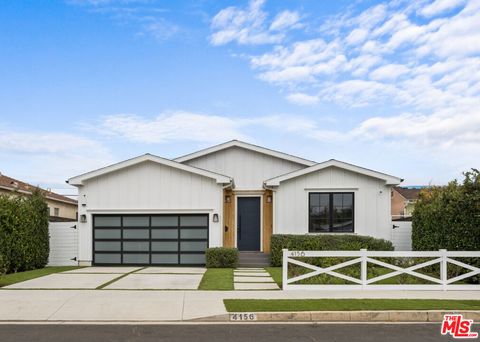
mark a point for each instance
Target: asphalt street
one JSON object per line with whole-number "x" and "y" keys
{"x": 224, "y": 332}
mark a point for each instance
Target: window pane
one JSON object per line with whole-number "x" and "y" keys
{"x": 314, "y": 200}
{"x": 107, "y": 258}
{"x": 164, "y": 221}
{"x": 192, "y": 258}
{"x": 193, "y": 246}
{"x": 164, "y": 233}
{"x": 136, "y": 258}
{"x": 135, "y": 234}
{"x": 194, "y": 234}
{"x": 107, "y": 234}
{"x": 107, "y": 221}
{"x": 164, "y": 246}
{"x": 107, "y": 246}
{"x": 136, "y": 246}
{"x": 194, "y": 221}
{"x": 136, "y": 221}
{"x": 164, "y": 258}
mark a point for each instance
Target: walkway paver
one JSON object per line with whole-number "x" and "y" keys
{"x": 66, "y": 281}
{"x": 253, "y": 279}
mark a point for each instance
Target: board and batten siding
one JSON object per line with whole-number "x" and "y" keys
{"x": 63, "y": 244}
{"x": 248, "y": 168}
{"x": 371, "y": 201}
{"x": 148, "y": 187}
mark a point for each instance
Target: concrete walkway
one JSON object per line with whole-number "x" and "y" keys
{"x": 253, "y": 279}
{"x": 135, "y": 305}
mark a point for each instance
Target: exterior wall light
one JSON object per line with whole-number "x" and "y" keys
{"x": 83, "y": 218}
{"x": 215, "y": 217}
{"x": 227, "y": 199}
{"x": 269, "y": 199}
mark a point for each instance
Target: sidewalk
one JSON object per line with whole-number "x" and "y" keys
{"x": 122, "y": 305}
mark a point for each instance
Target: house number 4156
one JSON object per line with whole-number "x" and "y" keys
{"x": 297, "y": 254}
{"x": 243, "y": 317}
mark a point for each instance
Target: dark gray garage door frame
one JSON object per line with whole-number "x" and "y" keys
{"x": 150, "y": 239}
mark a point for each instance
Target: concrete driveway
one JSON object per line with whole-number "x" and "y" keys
{"x": 119, "y": 278}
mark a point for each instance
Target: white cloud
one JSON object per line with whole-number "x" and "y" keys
{"x": 440, "y": 6}
{"x": 285, "y": 19}
{"x": 388, "y": 72}
{"x": 302, "y": 99}
{"x": 250, "y": 26}
{"x": 356, "y": 36}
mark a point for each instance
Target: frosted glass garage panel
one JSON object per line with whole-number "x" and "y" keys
{"x": 194, "y": 233}
{"x": 164, "y": 259}
{"x": 107, "y": 246}
{"x": 136, "y": 246}
{"x": 164, "y": 246}
{"x": 136, "y": 258}
{"x": 107, "y": 258}
{"x": 107, "y": 233}
{"x": 136, "y": 221}
{"x": 108, "y": 221}
{"x": 136, "y": 234}
{"x": 192, "y": 258}
{"x": 194, "y": 221}
{"x": 164, "y": 221}
{"x": 193, "y": 246}
{"x": 165, "y": 233}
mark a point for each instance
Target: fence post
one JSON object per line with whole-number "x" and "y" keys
{"x": 443, "y": 268}
{"x": 363, "y": 267}
{"x": 284, "y": 268}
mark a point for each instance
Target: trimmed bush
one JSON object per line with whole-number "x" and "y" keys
{"x": 24, "y": 232}
{"x": 448, "y": 217}
{"x": 324, "y": 243}
{"x": 221, "y": 257}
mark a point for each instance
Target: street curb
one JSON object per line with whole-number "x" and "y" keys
{"x": 347, "y": 316}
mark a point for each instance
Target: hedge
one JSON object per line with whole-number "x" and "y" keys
{"x": 324, "y": 243}
{"x": 23, "y": 232}
{"x": 221, "y": 257}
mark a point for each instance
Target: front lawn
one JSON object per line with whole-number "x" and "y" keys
{"x": 276, "y": 274}
{"x": 217, "y": 279}
{"x": 259, "y": 305}
{"x": 18, "y": 277}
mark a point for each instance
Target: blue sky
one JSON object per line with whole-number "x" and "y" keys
{"x": 392, "y": 86}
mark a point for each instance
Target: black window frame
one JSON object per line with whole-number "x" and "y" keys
{"x": 330, "y": 212}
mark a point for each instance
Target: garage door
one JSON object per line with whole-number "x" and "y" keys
{"x": 150, "y": 239}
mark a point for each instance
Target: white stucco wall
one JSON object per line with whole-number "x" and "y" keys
{"x": 148, "y": 187}
{"x": 371, "y": 202}
{"x": 248, "y": 168}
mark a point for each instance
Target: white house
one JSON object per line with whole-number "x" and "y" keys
{"x": 151, "y": 210}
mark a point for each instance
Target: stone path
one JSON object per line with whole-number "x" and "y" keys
{"x": 253, "y": 279}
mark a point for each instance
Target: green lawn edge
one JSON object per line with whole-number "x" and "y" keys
{"x": 289, "y": 305}
{"x": 13, "y": 278}
{"x": 276, "y": 274}
{"x": 219, "y": 279}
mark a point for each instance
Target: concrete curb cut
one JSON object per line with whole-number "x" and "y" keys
{"x": 343, "y": 316}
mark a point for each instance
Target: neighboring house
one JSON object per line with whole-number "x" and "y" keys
{"x": 151, "y": 210}
{"x": 403, "y": 201}
{"x": 60, "y": 208}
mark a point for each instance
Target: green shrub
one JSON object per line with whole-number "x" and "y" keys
{"x": 324, "y": 243}
{"x": 24, "y": 232}
{"x": 449, "y": 218}
{"x": 3, "y": 265}
{"x": 221, "y": 257}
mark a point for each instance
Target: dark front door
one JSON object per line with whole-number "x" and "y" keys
{"x": 248, "y": 223}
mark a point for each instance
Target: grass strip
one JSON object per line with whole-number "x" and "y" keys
{"x": 217, "y": 279}
{"x": 117, "y": 278}
{"x": 18, "y": 277}
{"x": 276, "y": 274}
{"x": 286, "y": 305}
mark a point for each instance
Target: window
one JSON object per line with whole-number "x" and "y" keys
{"x": 330, "y": 212}
{"x": 56, "y": 211}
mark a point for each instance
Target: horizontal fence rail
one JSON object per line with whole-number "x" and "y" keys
{"x": 363, "y": 258}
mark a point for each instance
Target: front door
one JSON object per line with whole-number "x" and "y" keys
{"x": 248, "y": 223}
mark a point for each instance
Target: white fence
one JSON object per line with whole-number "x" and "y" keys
{"x": 402, "y": 235}
{"x": 363, "y": 258}
{"x": 63, "y": 244}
